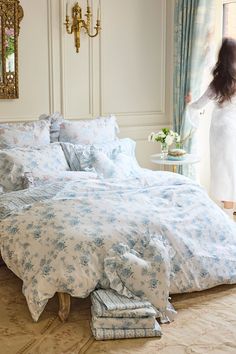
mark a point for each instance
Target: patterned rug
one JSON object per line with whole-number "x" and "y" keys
{"x": 205, "y": 324}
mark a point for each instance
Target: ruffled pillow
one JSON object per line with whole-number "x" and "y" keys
{"x": 14, "y": 163}
{"x": 95, "y": 131}
{"x": 24, "y": 134}
{"x": 122, "y": 167}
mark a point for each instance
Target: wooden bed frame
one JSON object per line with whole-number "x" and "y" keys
{"x": 64, "y": 306}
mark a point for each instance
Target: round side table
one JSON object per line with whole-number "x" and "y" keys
{"x": 188, "y": 160}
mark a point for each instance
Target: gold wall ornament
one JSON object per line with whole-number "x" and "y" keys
{"x": 77, "y": 23}
{"x": 11, "y": 13}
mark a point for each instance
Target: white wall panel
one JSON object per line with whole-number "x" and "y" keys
{"x": 133, "y": 57}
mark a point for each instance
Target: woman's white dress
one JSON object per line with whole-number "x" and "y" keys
{"x": 222, "y": 146}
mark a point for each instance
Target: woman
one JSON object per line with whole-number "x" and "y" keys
{"x": 222, "y": 91}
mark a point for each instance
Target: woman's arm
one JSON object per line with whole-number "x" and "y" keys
{"x": 202, "y": 101}
{"x": 192, "y": 116}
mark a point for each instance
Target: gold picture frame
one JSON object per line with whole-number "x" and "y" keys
{"x": 11, "y": 14}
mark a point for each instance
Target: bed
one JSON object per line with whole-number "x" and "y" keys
{"x": 102, "y": 221}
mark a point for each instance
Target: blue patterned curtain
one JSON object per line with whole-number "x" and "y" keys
{"x": 193, "y": 59}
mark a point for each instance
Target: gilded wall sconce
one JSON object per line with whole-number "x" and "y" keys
{"x": 75, "y": 25}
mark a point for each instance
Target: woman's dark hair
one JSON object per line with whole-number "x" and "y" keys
{"x": 224, "y": 73}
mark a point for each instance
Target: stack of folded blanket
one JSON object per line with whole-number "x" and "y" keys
{"x": 115, "y": 316}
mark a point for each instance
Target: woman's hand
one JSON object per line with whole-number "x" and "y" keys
{"x": 188, "y": 98}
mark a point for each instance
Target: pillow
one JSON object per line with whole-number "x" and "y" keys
{"x": 96, "y": 131}
{"x": 122, "y": 167}
{"x": 55, "y": 121}
{"x": 24, "y": 134}
{"x": 15, "y": 162}
{"x": 80, "y": 157}
{"x": 40, "y": 179}
{"x": 104, "y": 166}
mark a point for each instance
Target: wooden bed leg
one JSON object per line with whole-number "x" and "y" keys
{"x": 64, "y": 306}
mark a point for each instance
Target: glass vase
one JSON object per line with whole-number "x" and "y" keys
{"x": 164, "y": 151}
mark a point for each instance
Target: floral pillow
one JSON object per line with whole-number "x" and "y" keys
{"x": 24, "y": 134}
{"x": 96, "y": 131}
{"x": 14, "y": 163}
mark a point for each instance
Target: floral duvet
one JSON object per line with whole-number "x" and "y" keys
{"x": 148, "y": 236}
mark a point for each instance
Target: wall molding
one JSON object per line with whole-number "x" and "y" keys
{"x": 50, "y": 56}
{"x": 63, "y": 60}
{"x": 19, "y": 119}
{"x": 163, "y": 76}
{"x": 64, "y": 63}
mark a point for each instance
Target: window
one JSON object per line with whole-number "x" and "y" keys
{"x": 229, "y": 18}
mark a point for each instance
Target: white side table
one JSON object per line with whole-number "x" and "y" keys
{"x": 188, "y": 160}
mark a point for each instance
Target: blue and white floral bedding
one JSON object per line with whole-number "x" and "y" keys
{"x": 149, "y": 236}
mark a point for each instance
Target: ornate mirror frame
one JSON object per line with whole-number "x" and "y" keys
{"x": 11, "y": 13}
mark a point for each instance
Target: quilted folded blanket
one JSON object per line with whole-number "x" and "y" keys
{"x": 106, "y": 334}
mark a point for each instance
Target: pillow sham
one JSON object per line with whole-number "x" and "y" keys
{"x": 104, "y": 166}
{"x": 24, "y": 134}
{"x": 15, "y": 162}
{"x": 40, "y": 179}
{"x": 80, "y": 157}
{"x": 95, "y": 131}
{"x": 55, "y": 120}
{"x": 122, "y": 167}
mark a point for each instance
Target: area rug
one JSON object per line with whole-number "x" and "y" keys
{"x": 206, "y": 324}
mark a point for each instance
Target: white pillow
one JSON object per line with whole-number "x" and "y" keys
{"x": 122, "y": 167}
{"x": 24, "y": 134}
{"x": 15, "y": 162}
{"x": 105, "y": 167}
{"x": 96, "y": 131}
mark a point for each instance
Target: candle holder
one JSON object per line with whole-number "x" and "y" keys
{"x": 75, "y": 25}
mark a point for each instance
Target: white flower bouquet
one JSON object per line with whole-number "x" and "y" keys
{"x": 166, "y": 137}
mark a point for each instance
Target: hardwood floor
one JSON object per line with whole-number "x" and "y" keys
{"x": 205, "y": 324}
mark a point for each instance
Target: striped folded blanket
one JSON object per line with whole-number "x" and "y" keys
{"x": 115, "y": 316}
{"x": 105, "y": 334}
{"x": 100, "y": 310}
{"x": 113, "y": 301}
{"x": 123, "y": 322}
